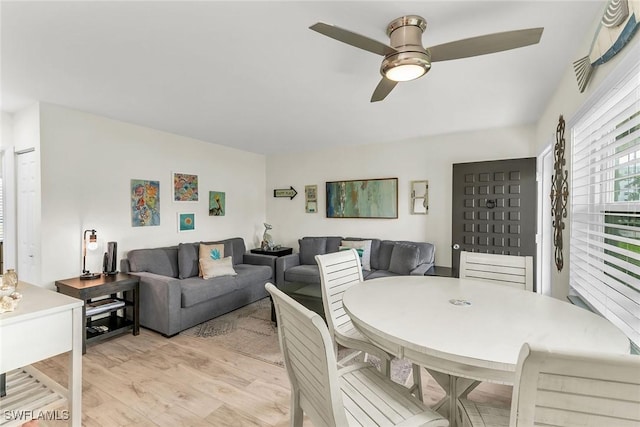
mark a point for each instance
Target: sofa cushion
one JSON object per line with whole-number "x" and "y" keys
{"x": 310, "y": 247}
{"x": 384, "y": 254}
{"x": 427, "y": 253}
{"x": 236, "y": 248}
{"x": 196, "y": 290}
{"x": 404, "y": 258}
{"x": 216, "y": 267}
{"x": 162, "y": 261}
{"x": 250, "y": 275}
{"x": 363, "y": 247}
{"x": 303, "y": 274}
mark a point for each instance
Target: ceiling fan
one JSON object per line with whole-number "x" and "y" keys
{"x": 406, "y": 59}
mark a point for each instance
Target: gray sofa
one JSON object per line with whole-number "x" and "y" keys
{"x": 298, "y": 274}
{"x": 172, "y": 295}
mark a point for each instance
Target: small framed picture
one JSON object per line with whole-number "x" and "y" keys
{"x": 186, "y": 221}
{"x": 216, "y": 203}
{"x": 185, "y": 187}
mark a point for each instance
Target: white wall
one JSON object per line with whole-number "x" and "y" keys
{"x": 567, "y": 100}
{"x": 428, "y": 158}
{"x": 88, "y": 162}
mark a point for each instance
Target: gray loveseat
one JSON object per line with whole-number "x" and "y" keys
{"x": 172, "y": 295}
{"x": 298, "y": 274}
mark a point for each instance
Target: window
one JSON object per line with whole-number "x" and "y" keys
{"x": 605, "y": 205}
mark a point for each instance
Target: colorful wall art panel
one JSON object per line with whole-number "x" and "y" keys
{"x": 367, "y": 198}
{"x": 185, "y": 187}
{"x": 186, "y": 221}
{"x": 145, "y": 203}
{"x": 217, "y": 204}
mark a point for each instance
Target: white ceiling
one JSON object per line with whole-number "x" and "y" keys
{"x": 251, "y": 75}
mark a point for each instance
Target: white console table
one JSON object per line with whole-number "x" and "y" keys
{"x": 44, "y": 324}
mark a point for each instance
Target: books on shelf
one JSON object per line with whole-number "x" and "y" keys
{"x": 103, "y": 305}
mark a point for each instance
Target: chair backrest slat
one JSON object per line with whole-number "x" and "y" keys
{"x": 310, "y": 360}
{"x": 575, "y": 389}
{"x": 338, "y": 272}
{"x": 511, "y": 270}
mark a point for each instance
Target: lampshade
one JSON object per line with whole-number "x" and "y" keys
{"x": 405, "y": 66}
{"x": 88, "y": 244}
{"x": 92, "y": 245}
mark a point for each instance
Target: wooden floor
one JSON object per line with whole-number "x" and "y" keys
{"x": 150, "y": 380}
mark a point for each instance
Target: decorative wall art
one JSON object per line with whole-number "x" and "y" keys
{"x": 311, "y": 198}
{"x": 217, "y": 204}
{"x": 419, "y": 197}
{"x": 145, "y": 203}
{"x": 620, "y": 22}
{"x": 185, "y": 187}
{"x": 559, "y": 193}
{"x": 186, "y": 221}
{"x": 367, "y": 198}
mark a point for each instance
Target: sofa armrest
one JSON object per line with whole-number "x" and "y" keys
{"x": 421, "y": 269}
{"x": 283, "y": 263}
{"x": 160, "y": 303}
{"x": 260, "y": 259}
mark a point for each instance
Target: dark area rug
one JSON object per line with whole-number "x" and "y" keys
{"x": 250, "y": 331}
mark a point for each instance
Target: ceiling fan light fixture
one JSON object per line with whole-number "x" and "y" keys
{"x": 405, "y": 66}
{"x": 404, "y": 73}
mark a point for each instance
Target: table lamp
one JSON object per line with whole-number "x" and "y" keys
{"x": 91, "y": 245}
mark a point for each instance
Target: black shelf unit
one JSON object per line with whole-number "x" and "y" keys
{"x": 117, "y": 320}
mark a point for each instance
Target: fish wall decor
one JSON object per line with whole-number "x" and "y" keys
{"x": 618, "y": 25}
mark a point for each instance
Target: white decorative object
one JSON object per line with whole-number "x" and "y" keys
{"x": 267, "y": 240}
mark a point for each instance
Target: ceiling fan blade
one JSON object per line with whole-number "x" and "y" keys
{"x": 353, "y": 39}
{"x": 483, "y": 45}
{"x": 382, "y": 90}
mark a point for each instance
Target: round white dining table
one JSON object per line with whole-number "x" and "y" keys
{"x": 464, "y": 331}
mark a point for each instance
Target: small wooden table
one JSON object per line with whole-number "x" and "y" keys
{"x": 91, "y": 290}
{"x": 43, "y": 325}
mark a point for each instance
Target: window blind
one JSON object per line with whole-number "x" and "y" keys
{"x": 605, "y": 206}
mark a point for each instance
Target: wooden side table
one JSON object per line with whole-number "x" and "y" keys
{"x": 275, "y": 252}
{"x": 111, "y": 323}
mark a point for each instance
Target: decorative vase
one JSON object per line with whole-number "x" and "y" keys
{"x": 10, "y": 278}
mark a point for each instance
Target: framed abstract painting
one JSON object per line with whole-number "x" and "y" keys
{"x": 145, "y": 203}
{"x": 185, "y": 187}
{"x": 364, "y": 198}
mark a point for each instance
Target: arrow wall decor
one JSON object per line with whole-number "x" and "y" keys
{"x": 285, "y": 192}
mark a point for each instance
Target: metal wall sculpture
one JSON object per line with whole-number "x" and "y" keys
{"x": 559, "y": 193}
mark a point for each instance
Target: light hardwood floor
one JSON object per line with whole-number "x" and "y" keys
{"x": 150, "y": 380}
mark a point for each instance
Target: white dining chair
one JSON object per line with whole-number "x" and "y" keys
{"x": 338, "y": 272}
{"x": 355, "y": 395}
{"x": 511, "y": 270}
{"x": 565, "y": 389}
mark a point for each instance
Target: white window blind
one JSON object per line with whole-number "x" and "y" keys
{"x": 605, "y": 206}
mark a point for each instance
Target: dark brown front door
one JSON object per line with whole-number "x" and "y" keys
{"x": 494, "y": 208}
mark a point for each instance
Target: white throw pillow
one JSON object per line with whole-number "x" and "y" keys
{"x": 217, "y": 267}
{"x": 363, "y": 247}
